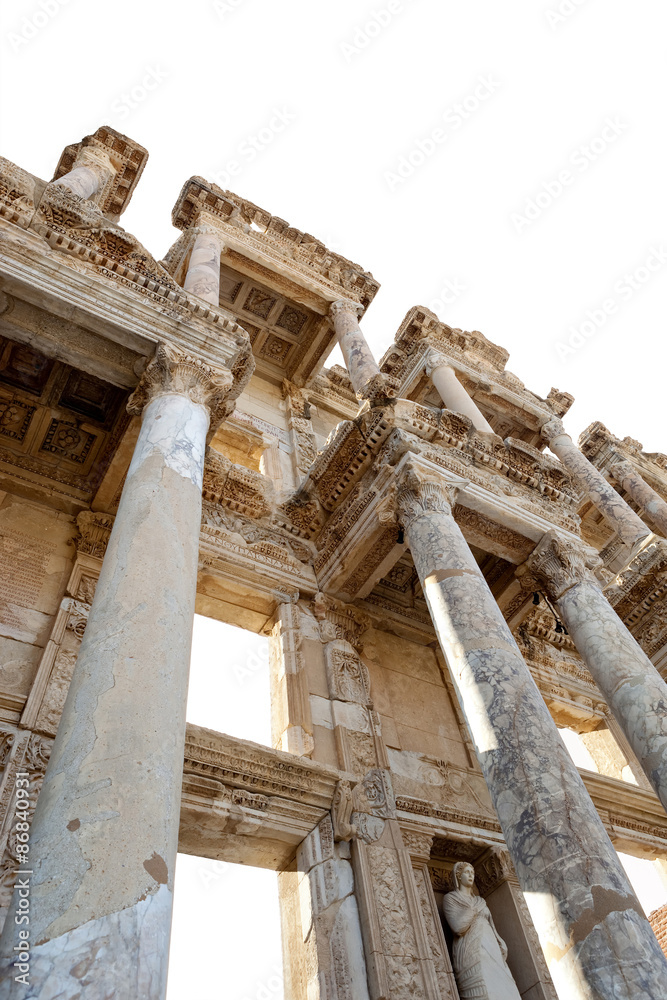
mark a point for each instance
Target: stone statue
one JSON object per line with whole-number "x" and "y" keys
{"x": 479, "y": 951}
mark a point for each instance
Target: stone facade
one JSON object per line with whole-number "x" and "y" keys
{"x": 438, "y": 590}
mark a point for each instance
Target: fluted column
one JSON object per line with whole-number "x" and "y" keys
{"x": 452, "y": 393}
{"x": 623, "y": 519}
{"x": 105, "y": 833}
{"x": 596, "y": 939}
{"x": 633, "y": 688}
{"x": 203, "y": 277}
{"x": 362, "y": 367}
{"x": 91, "y": 172}
{"x": 627, "y": 476}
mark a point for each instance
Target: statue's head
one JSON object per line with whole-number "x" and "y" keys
{"x": 463, "y": 874}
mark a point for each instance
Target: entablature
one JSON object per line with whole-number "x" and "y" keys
{"x": 278, "y": 281}
{"x": 480, "y": 366}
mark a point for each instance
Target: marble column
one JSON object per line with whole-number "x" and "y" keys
{"x": 452, "y": 393}
{"x": 632, "y": 687}
{"x": 203, "y": 277}
{"x": 627, "y": 476}
{"x": 630, "y": 527}
{"x": 91, "y": 172}
{"x": 595, "y": 937}
{"x": 362, "y": 367}
{"x": 104, "y": 838}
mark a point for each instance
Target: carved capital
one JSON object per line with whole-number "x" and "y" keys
{"x": 95, "y": 528}
{"x": 420, "y": 492}
{"x": 557, "y": 564}
{"x": 552, "y": 429}
{"x": 493, "y": 869}
{"x": 172, "y": 371}
{"x": 622, "y": 470}
{"x": 433, "y": 360}
{"x": 339, "y": 621}
{"x": 344, "y": 307}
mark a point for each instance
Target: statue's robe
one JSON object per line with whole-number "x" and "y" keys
{"x": 481, "y": 971}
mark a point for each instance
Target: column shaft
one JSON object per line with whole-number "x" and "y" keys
{"x": 361, "y": 365}
{"x": 596, "y": 939}
{"x": 82, "y": 181}
{"x": 633, "y": 688}
{"x": 645, "y": 496}
{"x": 453, "y": 394}
{"x": 105, "y": 834}
{"x": 91, "y": 172}
{"x": 203, "y": 277}
{"x": 623, "y": 519}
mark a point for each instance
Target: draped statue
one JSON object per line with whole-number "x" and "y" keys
{"x": 479, "y": 952}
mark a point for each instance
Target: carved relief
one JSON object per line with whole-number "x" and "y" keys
{"x": 95, "y": 528}
{"x": 557, "y": 564}
{"x": 347, "y": 675}
{"x": 172, "y": 370}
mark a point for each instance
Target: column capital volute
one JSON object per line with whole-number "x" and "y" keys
{"x": 556, "y": 565}
{"x": 552, "y": 429}
{"x": 174, "y": 372}
{"x": 434, "y": 359}
{"x": 418, "y": 490}
{"x": 342, "y": 307}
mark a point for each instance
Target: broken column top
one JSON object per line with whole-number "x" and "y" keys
{"x": 127, "y": 157}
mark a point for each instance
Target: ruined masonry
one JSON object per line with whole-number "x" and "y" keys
{"x": 444, "y": 576}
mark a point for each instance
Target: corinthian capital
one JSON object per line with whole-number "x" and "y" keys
{"x": 622, "y": 470}
{"x": 556, "y": 565}
{"x": 344, "y": 307}
{"x": 552, "y": 429}
{"x": 420, "y": 492}
{"x": 172, "y": 371}
{"x": 433, "y": 360}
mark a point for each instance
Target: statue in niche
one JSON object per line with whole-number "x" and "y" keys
{"x": 479, "y": 953}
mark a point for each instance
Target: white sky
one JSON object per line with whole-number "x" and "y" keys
{"x": 196, "y": 82}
